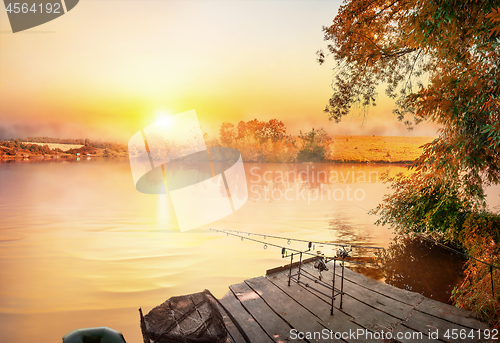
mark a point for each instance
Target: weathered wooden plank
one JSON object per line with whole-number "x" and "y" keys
{"x": 339, "y": 322}
{"x": 233, "y": 331}
{"x": 362, "y": 314}
{"x": 296, "y": 315}
{"x": 410, "y": 298}
{"x": 370, "y": 307}
{"x": 421, "y": 303}
{"x": 451, "y": 313}
{"x": 383, "y": 303}
{"x": 446, "y": 313}
{"x": 374, "y": 298}
{"x": 402, "y": 295}
{"x": 271, "y": 322}
{"x": 429, "y": 324}
{"x": 244, "y": 319}
{"x": 287, "y": 266}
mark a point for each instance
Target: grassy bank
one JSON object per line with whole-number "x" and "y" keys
{"x": 377, "y": 149}
{"x": 353, "y": 149}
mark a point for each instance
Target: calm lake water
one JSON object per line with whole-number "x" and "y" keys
{"x": 80, "y": 247}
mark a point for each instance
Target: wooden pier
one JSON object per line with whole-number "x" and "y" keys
{"x": 266, "y": 309}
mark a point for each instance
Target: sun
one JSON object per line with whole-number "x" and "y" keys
{"x": 162, "y": 115}
{"x": 164, "y": 119}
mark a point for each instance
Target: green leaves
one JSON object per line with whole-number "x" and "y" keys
{"x": 423, "y": 205}
{"x": 454, "y": 44}
{"x": 314, "y": 147}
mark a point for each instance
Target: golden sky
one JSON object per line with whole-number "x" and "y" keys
{"x": 106, "y": 69}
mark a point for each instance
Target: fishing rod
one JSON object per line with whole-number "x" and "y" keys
{"x": 491, "y": 266}
{"x": 342, "y": 254}
{"x": 468, "y": 256}
{"x": 289, "y": 240}
{"x": 456, "y": 251}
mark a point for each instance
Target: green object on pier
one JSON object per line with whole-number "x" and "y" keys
{"x": 94, "y": 335}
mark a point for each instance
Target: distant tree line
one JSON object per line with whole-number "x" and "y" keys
{"x": 260, "y": 141}
{"x": 12, "y": 147}
{"x": 87, "y": 142}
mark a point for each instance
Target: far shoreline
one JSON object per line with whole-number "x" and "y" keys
{"x": 363, "y": 150}
{"x": 58, "y": 158}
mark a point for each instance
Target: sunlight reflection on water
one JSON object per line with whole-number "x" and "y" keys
{"x": 80, "y": 247}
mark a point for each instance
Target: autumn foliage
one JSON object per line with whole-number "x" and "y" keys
{"x": 440, "y": 60}
{"x": 259, "y": 141}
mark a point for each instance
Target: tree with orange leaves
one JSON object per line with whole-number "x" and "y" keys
{"x": 259, "y": 141}
{"x": 440, "y": 60}
{"x": 227, "y": 133}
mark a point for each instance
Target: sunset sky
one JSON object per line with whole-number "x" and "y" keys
{"x": 106, "y": 69}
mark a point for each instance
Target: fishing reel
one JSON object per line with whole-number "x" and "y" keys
{"x": 320, "y": 265}
{"x": 342, "y": 253}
